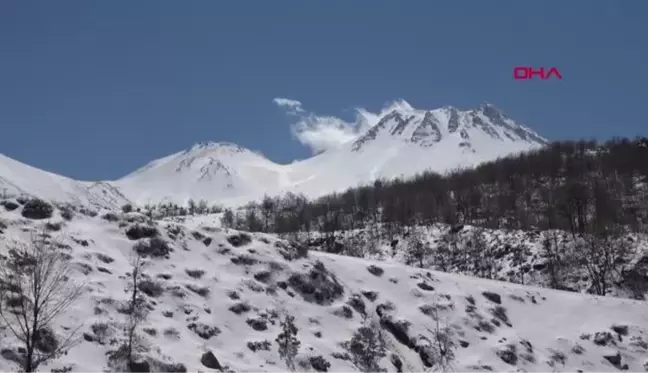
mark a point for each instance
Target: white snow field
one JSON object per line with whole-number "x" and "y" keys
{"x": 242, "y": 287}
{"x": 403, "y": 142}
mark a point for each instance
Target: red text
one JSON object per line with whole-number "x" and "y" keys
{"x": 527, "y": 73}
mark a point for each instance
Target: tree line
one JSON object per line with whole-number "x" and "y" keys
{"x": 577, "y": 186}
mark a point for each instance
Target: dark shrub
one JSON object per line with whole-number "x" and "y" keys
{"x": 104, "y": 258}
{"x": 259, "y": 346}
{"x": 319, "y": 363}
{"x": 37, "y": 209}
{"x": 204, "y": 331}
{"x": 508, "y": 354}
{"x": 46, "y": 341}
{"x": 239, "y": 240}
{"x": 195, "y": 273}
{"x": 292, "y": 250}
{"x": 151, "y": 288}
{"x": 154, "y": 247}
{"x": 318, "y": 286}
{"x": 240, "y": 308}
{"x": 54, "y": 227}
{"x": 138, "y": 231}
{"x": 110, "y": 216}
{"x": 202, "y": 291}
{"x": 127, "y": 208}
{"x": 257, "y": 324}
{"x": 9, "y": 205}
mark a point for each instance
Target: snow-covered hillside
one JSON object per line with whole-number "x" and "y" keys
{"x": 216, "y": 297}
{"x": 404, "y": 141}
{"x": 17, "y": 179}
{"x": 514, "y": 256}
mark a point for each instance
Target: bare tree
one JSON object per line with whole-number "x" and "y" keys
{"x": 443, "y": 344}
{"x": 417, "y": 249}
{"x": 134, "y": 308}
{"x": 602, "y": 253}
{"x": 553, "y": 251}
{"x": 35, "y": 289}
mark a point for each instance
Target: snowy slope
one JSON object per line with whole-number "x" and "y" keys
{"x": 20, "y": 179}
{"x": 404, "y": 141}
{"x": 212, "y": 171}
{"x": 493, "y": 326}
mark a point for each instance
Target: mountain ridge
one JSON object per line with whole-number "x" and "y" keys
{"x": 402, "y": 142}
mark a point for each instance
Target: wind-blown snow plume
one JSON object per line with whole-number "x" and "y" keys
{"x": 321, "y": 133}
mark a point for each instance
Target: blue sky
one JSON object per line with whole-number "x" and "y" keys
{"x": 95, "y": 89}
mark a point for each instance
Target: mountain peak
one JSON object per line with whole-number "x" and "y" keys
{"x": 204, "y": 145}
{"x": 399, "y": 105}
{"x": 484, "y": 127}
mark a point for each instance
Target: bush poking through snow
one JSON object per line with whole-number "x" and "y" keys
{"x": 367, "y": 347}
{"x": 288, "y": 342}
{"x": 154, "y": 247}
{"x": 139, "y": 231}
{"x": 195, "y": 273}
{"x": 319, "y": 286}
{"x": 151, "y": 288}
{"x": 37, "y": 209}
{"x": 319, "y": 363}
{"x": 204, "y": 331}
{"x": 508, "y": 354}
{"x": 238, "y": 240}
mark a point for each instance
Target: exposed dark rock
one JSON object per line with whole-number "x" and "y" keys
{"x": 425, "y": 286}
{"x": 375, "y": 270}
{"x": 139, "y": 366}
{"x": 493, "y": 297}
{"x": 209, "y": 360}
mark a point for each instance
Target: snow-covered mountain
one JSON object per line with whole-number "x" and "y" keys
{"x": 215, "y": 299}
{"x": 404, "y": 141}
{"x": 17, "y": 179}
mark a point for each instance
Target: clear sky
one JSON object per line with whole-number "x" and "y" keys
{"x": 95, "y": 89}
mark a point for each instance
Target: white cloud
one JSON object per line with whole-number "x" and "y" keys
{"x": 321, "y": 133}
{"x": 292, "y": 106}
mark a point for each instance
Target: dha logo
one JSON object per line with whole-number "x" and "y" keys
{"x": 528, "y": 73}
